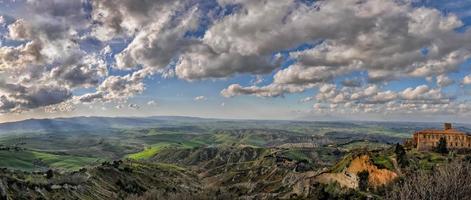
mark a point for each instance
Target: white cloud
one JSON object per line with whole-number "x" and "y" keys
{"x": 444, "y": 81}
{"x": 306, "y": 99}
{"x": 385, "y": 39}
{"x": 152, "y": 103}
{"x": 273, "y": 90}
{"x": 134, "y": 106}
{"x": 19, "y": 30}
{"x": 200, "y": 98}
{"x": 60, "y": 108}
{"x": 202, "y": 62}
{"x": 414, "y": 93}
{"x": 467, "y": 80}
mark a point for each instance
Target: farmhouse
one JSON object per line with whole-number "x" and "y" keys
{"x": 427, "y": 139}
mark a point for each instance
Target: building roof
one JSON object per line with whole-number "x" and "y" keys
{"x": 448, "y": 129}
{"x": 434, "y": 131}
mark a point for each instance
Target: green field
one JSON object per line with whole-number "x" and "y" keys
{"x": 150, "y": 151}
{"x": 33, "y": 160}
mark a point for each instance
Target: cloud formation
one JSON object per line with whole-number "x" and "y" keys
{"x": 467, "y": 80}
{"x": 390, "y": 40}
{"x": 347, "y": 51}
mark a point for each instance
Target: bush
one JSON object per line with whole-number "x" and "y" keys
{"x": 363, "y": 180}
{"x": 451, "y": 181}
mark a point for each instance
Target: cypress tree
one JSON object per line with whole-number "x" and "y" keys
{"x": 401, "y": 156}
{"x": 441, "y": 146}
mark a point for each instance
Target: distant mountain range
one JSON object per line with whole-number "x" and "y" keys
{"x": 104, "y": 124}
{"x": 85, "y": 124}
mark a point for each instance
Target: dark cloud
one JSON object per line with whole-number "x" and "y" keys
{"x": 86, "y": 73}
{"x": 20, "y": 98}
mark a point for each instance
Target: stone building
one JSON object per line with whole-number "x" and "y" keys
{"x": 426, "y": 140}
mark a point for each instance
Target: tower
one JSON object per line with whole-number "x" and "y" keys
{"x": 448, "y": 126}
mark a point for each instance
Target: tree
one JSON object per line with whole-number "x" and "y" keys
{"x": 363, "y": 180}
{"x": 441, "y": 146}
{"x": 401, "y": 156}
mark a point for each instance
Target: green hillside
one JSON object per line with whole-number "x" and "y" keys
{"x": 29, "y": 160}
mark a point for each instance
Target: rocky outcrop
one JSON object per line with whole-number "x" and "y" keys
{"x": 377, "y": 177}
{"x": 348, "y": 176}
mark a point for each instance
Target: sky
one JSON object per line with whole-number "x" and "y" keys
{"x": 385, "y": 60}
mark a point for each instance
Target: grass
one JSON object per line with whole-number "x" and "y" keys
{"x": 205, "y": 139}
{"x": 170, "y": 167}
{"x": 427, "y": 160}
{"x": 254, "y": 140}
{"x": 154, "y": 149}
{"x": 383, "y": 161}
{"x": 25, "y": 160}
{"x": 296, "y": 155}
{"x": 150, "y": 151}
{"x": 225, "y": 139}
{"x": 65, "y": 162}
{"x": 341, "y": 165}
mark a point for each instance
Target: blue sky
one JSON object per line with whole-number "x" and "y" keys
{"x": 403, "y": 60}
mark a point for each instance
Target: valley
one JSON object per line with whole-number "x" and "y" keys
{"x": 193, "y": 158}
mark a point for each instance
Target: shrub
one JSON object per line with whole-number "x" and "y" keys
{"x": 451, "y": 181}
{"x": 363, "y": 180}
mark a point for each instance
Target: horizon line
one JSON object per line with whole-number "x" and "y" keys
{"x": 230, "y": 119}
